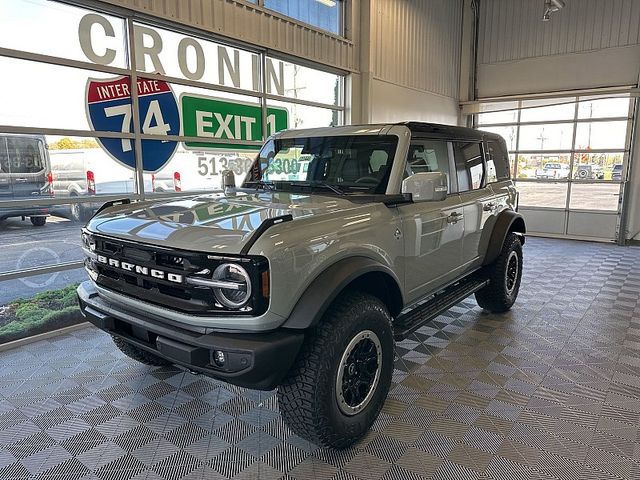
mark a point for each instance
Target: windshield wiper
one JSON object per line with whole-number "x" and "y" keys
{"x": 333, "y": 188}
{"x": 261, "y": 184}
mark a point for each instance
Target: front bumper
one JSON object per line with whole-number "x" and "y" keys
{"x": 253, "y": 360}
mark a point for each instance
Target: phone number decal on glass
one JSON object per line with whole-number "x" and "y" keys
{"x": 239, "y": 165}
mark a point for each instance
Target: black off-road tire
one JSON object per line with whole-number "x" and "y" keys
{"x": 500, "y": 294}
{"x": 139, "y": 354}
{"x": 38, "y": 221}
{"x": 309, "y": 395}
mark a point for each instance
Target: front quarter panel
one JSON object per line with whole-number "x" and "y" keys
{"x": 300, "y": 250}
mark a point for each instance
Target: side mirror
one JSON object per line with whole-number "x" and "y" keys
{"x": 228, "y": 180}
{"x": 425, "y": 187}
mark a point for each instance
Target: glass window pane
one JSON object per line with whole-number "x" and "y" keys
{"x": 497, "y": 162}
{"x": 508, "y": 113}
{"x": 25, "y": 103}
{"x": 211, "y": 114}
{"x": 428, "y": 156}
{"x": 593, "y": 196}
{"x": 25, "y": 244}
{"x": 51, "y": 28}
{"x": 512, "y": 165}
{"x": 547, "y": 166}
{"x": 508, "y": 133}
{"x": 603, "y": 108}
{"x": 194, "y": 58}
{"x": 83, "y": 166}
{"x": 198, "y": 170}
{"x": 343, "y": 161}
{"x": 309, "y": 84}
{"x": 596, "y": 135}
{"x": 597, "y": 166}
{"x": 303, "y": 116}
{"x": 324, "y": 14}
{"x": 469, "y": 165}
{"x": 539, "y": 194}
{"x": 39, "y": 304}
{"x": 556, "y": 136}
{"x": 548, "y": 109}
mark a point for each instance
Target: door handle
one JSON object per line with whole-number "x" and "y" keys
{"x": 455, "y": 217}
{"x": 20, "y": 180}
{"x": 489, "y": 207}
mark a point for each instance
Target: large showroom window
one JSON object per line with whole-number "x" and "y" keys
{"x": 74, "y": 133}
{"x": 324, "y": 14}
{"x": 567, "y": 153}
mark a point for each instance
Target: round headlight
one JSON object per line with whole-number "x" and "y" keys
{"x": 238, "y": 292}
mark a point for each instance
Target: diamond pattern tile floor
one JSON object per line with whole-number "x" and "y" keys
{"x": 548, "y": 390}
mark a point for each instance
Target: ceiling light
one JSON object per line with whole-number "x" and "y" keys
{"x": 328, "y": 3}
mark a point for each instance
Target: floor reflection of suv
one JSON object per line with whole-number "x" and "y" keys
{"x": 301, "y": 282}
{"x": 25, "y": 174}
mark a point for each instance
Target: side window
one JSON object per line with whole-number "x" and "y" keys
{"x": 428, "y": 156}
{"x": 497, "y": 162}
{"x": 469, "y": 165}
{"x": 4, "y": 157}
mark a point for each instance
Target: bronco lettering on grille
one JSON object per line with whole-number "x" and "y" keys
{"x": 139, "y": 269}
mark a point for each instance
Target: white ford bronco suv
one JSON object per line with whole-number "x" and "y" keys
{"x": 338, "y": 241}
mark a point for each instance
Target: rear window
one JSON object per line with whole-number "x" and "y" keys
{"x": 25, "y": 155}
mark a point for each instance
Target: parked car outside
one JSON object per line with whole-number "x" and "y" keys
{"x": 616, "y": 173}
{"x": 25, "y": 174}
{"x": 553, "y": 171}
{"x": 589, "y": 172}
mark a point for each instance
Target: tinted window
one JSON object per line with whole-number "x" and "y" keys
{"x": 25, "y": 155}
{"x": 497, "y": 162}
{"x": 427, "y": 156}
{"x": 469, "y": 165}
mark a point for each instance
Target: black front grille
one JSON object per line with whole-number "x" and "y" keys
{"x": 161, "y": 291}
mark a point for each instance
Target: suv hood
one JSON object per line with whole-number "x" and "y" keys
{"x": 209, "y": 223}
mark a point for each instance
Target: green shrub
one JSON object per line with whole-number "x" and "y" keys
{"x": 40, "y": 313}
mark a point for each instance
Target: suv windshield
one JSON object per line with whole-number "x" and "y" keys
{"x": 340, "y": 164}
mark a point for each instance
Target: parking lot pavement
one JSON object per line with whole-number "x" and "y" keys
{"x": 24, "y": 246}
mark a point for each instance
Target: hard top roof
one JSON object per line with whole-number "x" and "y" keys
{"x": 419, "y": 128}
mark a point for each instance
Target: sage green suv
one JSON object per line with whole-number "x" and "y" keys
{"x": 338, "y": 242}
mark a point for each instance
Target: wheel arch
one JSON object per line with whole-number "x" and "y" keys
{"x": 507, "y": 222}
{"x": 356, "y": 273}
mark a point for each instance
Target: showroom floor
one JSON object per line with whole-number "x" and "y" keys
{"x": 549, "y": 390}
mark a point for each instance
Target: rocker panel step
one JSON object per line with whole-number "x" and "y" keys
{"x": 410, "y": 321}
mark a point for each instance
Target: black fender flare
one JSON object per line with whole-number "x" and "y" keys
{"x": 326, "y": 287}
{"x": 506, "y": 222}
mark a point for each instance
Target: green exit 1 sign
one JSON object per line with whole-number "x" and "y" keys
{"x": 208, "y": 117}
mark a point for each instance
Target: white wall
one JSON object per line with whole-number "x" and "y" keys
{"x": 587, "y": 44}
{"x": 394, "y": 103}
{"x": 410, "y": 54}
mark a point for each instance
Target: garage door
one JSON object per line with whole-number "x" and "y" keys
{"x": 569, "y": 160}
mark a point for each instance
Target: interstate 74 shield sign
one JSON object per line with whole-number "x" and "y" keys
{"x": 109, "y": 110}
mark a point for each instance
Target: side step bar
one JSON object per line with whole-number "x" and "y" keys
{"x": 410, "y": 321}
